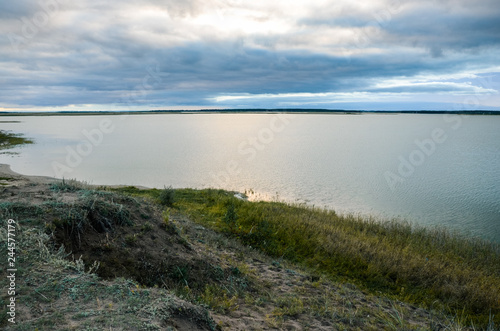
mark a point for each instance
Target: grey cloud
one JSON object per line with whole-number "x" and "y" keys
{"x": 438, "y": 33}
{"x": 97, "y": 57}
{"x": 435, "y": 26}
{"x": 424, "y": 88}
{"x": 202, "y": 70}
{"x": 182, "y": 8}
{"x": 17, "y": 9}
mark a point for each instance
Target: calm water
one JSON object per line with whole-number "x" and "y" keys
{"x": 430, "y": 169}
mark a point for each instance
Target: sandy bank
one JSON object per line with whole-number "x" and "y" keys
{"x": 8, "y": 177}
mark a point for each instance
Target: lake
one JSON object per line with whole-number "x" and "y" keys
{"x": 429, "y": 169}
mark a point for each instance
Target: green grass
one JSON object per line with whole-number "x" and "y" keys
{"x": 433, "y": 268}
{"x": 9, "y": 140}
{"x": 312, "y": 259}
{"x": 167, "y": 196}
{"x": 70, "y": 185}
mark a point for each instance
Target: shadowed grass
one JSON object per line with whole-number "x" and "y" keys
{"x": 70, "y": 185}
{"x": 430, "y": 267}
{"x": 61, "y": 294}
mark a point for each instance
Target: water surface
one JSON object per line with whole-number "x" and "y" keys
{"x": 429, "y": 169}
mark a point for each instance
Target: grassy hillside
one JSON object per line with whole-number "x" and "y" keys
{"x": 429, "y": 267}
{"x": 130, "y": 259}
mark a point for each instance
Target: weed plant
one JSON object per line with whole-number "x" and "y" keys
{"x": 431, "y": 267}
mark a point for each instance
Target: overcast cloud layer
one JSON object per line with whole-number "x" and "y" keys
{"x": 152, "y": 54}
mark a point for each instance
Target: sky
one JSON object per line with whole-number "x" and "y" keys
{"x": 62, "y": 55}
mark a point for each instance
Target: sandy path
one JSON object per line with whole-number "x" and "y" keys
{"x": 11, "y": 178}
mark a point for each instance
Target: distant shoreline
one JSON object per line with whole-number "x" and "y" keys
{"x": 254, "y": 111}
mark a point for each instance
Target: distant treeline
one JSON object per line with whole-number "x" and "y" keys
{"x": 256, "y": 111}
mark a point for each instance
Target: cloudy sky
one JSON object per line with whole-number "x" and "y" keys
{"x": 171, "y": 54}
